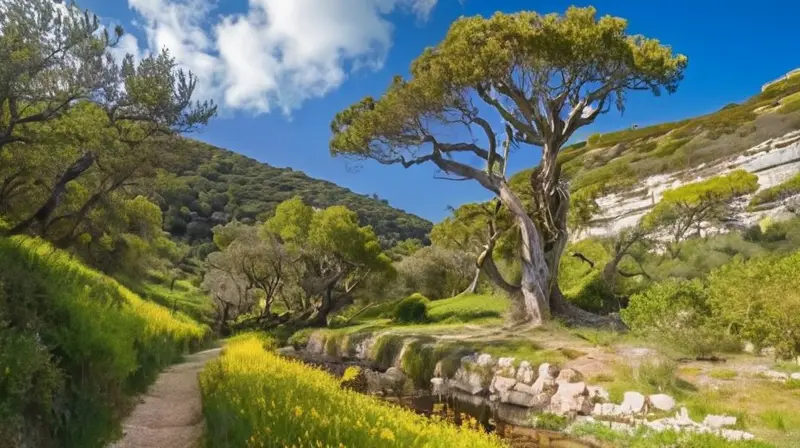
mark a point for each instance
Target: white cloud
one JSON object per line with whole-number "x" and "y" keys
{"x": 278, "y": 53}
{"x": 128, "y": 44}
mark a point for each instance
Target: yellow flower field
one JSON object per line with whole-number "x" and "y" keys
{"x": 254, "y": 398}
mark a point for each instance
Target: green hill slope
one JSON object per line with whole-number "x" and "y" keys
{"x": 74, "y": 346}
{"x": 617, "y": 161}
{"x": 214, "y": 186}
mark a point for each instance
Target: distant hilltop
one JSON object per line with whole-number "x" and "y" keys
{"x": 786, "y": 76}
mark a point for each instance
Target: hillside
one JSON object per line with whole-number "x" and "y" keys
{"x": 627, "y": 171}
{"x": 213, "y": 186}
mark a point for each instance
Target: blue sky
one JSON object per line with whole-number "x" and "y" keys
{"x": 280, "y": 84}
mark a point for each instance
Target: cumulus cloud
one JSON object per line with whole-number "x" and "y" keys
{"x": 276, "y": 54}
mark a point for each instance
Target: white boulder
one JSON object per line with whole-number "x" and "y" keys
{"x": 525, "y": 373}
{"x": 468, "y": 381}
{"x": 568, "y": 376}
{"x": 438, "y": 386}
{"x": 546, "y": 380}
{"x": 662, "y": 402}
{"x": 485, "y": 360}
{"x": 505, "y": 363}
{"x": 633, "y": 403}
{"x": 719, "y": 421}
{"x": 570, "y": 397}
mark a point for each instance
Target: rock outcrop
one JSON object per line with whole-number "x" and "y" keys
{"x": 773, "y": 161}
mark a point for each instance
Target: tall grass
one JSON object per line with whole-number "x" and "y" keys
{"x": 252, "y": 397}
{"x": 74, "y": 345}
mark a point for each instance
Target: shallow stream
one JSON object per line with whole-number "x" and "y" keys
{"x": 508, "y": 421}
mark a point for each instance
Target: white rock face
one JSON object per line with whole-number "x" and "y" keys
{"x": 662, "y": 402}
{"x": 795, "y": 376}
{"x": 773, "y": 161}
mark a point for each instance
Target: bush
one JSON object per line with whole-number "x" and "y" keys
{"x": 252, "y": 397}
{"x": 759, "y": 300}
{"x": 779, "y": 192}
{"x": 413, "y": 309}
{"x": 550, "y": 422}
{"x": 74, "y": 344}
{"x": 677, "y": 314}
{"x": 667, "y": 306}
{"x": 435, "y": 272}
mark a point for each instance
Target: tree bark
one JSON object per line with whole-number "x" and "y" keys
{"x": 43, "y": 213}
{"x": 534, "y": 289}
{"x": 473, "y": 286}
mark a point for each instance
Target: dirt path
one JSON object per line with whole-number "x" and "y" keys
{"x": 170, "y": 414}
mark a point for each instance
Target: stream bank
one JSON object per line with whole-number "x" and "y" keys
{"x": 506, "y": 391}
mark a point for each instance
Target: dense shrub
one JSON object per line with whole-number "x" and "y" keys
{"x": 781, "y": 191}
{"x": 677, "y": 313}
{"x": 252, "y": 397}
{"x": 412, "y": 309}
{"x": 759, "y": 300}
{"x": 74, "y": 344}
{"x": 667, "y": 306}
{"x": 435, "y": 272}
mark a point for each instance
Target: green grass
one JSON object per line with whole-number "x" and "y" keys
{"x": 723, "y": 374}
{"x": 649, "y": 377}
{"x": 183, "y": 297}
{"x": 644, "y": 438}
{"x": 75, "y": 345}
{"x": 790, "y": 104}
{"x": 468, "y": 308}
{"x": 600, "y": 338}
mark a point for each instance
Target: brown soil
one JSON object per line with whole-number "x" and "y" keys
{"x": 170, "y": 414}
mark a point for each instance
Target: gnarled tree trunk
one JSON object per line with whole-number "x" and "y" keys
{"x": 533, "y": 288}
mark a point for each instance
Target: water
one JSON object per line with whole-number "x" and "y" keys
{"x": 505, "y": 420}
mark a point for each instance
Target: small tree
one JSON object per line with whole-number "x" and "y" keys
{"x": 690, "y": 209}
{"x": 336, "y": 254}
{"x": 547, "y": 76}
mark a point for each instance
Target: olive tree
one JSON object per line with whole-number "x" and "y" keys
{"x": 334, "y": 254}
{"x": 546, "y": 76}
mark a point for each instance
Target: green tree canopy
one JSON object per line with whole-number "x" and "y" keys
{"x": 547, "y": 76}
{"x": 333, "y": 252}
